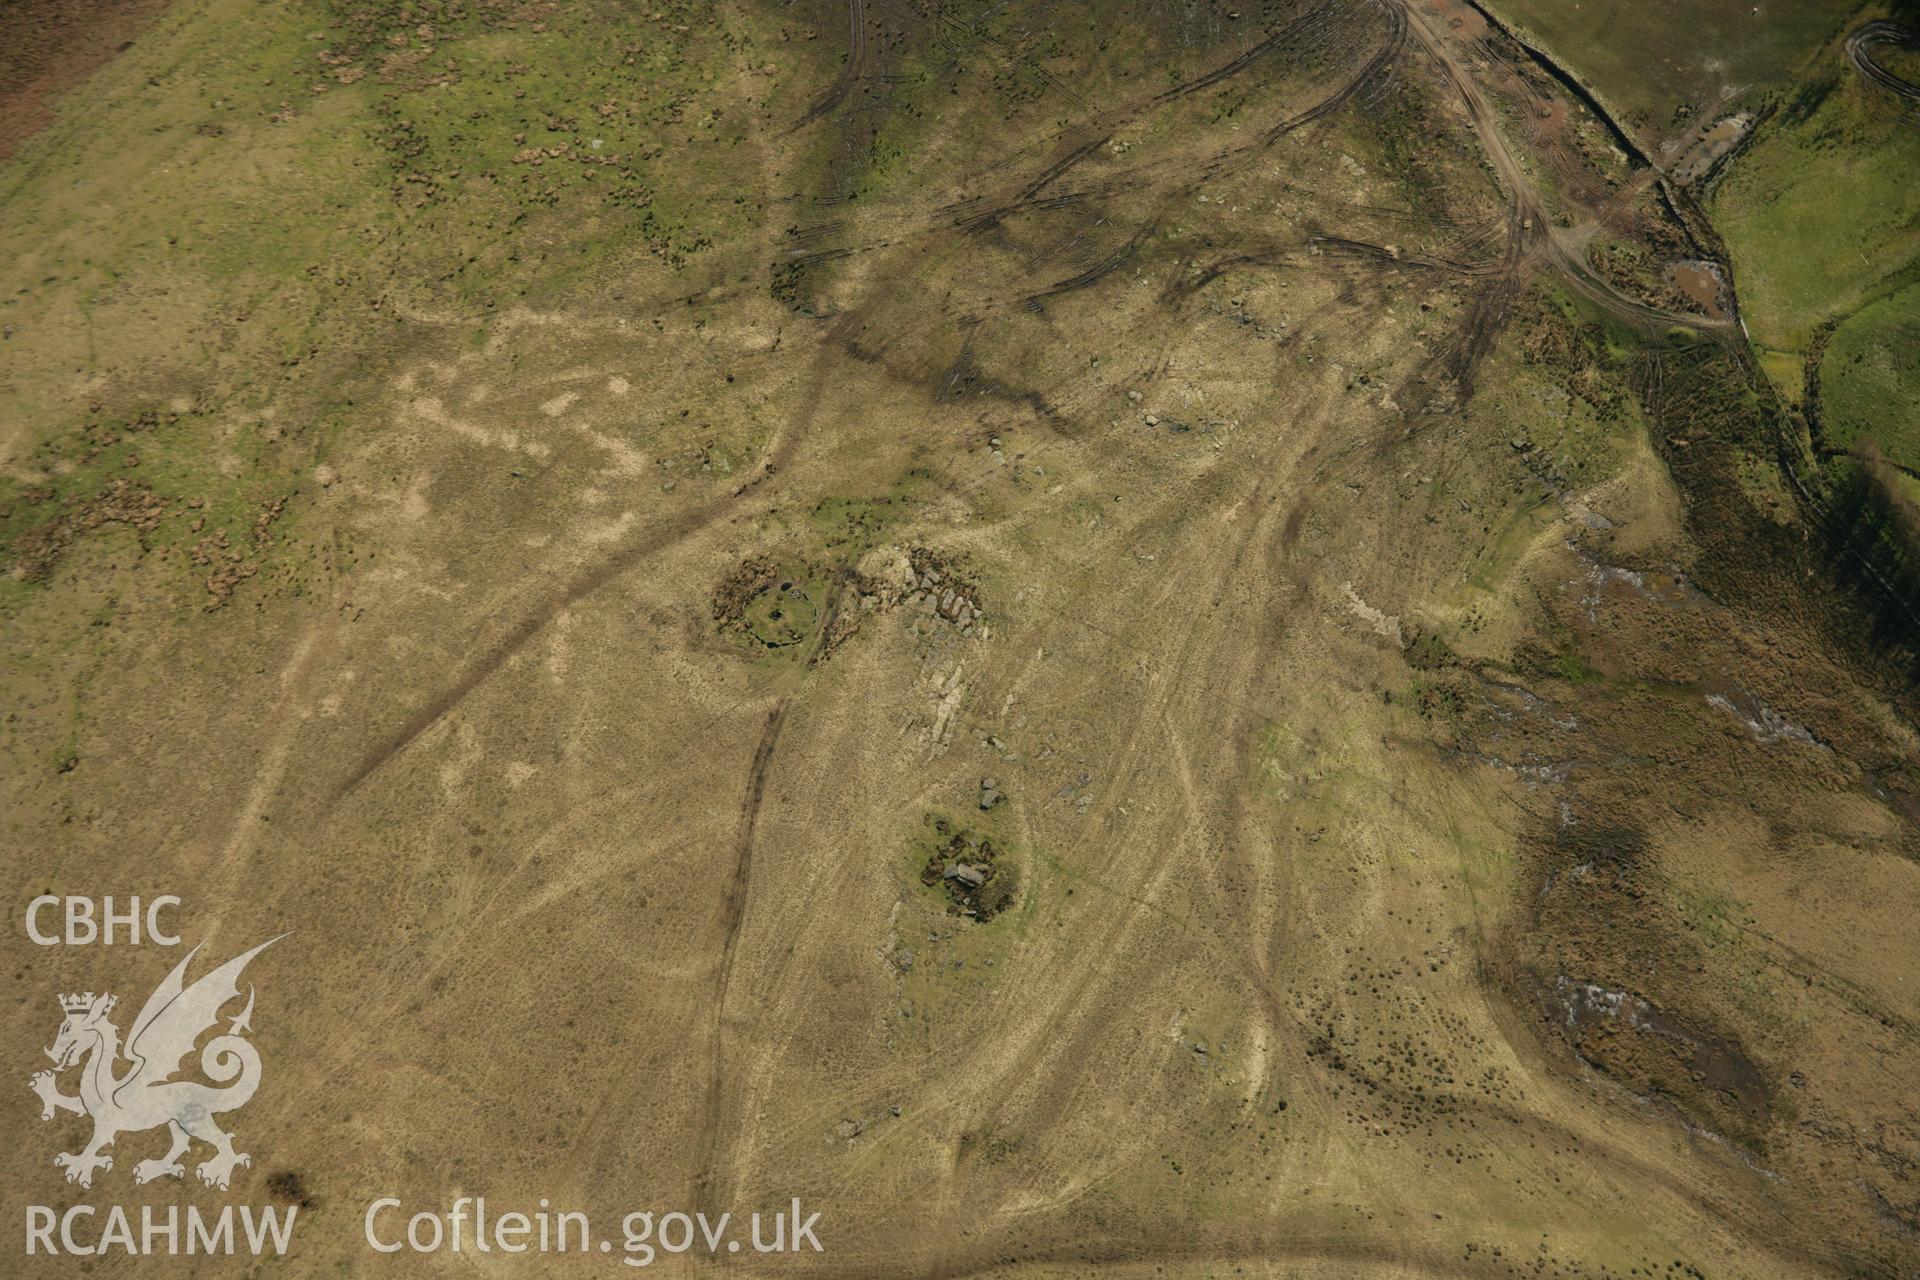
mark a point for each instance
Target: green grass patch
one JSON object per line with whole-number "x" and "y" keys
{"x": 1821, "y": 214}
{"x": 848, "y": 525}
{"x": 1661, "y": 63}
{"x": 1870, "y": 379}
{"x": 1574, "y": 670}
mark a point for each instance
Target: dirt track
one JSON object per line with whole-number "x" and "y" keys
{"x": 1531, "y": 230}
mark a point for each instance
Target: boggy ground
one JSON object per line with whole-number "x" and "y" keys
{"x": 1456, "y": 824}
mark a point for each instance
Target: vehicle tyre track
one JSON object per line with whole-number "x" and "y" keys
{"x": 734, "y": 910}
{"x": 1860, "y": 46}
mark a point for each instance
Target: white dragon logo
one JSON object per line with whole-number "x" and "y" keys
{"x": 146, "y": 1096}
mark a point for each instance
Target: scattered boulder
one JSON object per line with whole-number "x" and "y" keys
{"x": 976, "y": 881}
{"x": 941, "y": 592}
{"x": 967, "y": 874}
